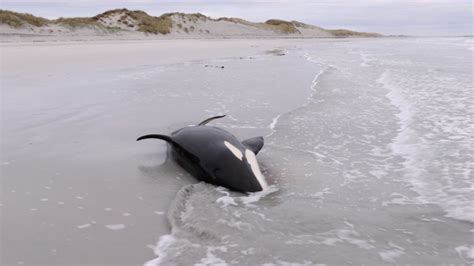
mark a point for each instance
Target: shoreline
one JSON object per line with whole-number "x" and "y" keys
{"x": 26, "y": 38}
{"x": 19, "y": 38}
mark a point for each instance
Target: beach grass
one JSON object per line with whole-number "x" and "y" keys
{"x": 145, "y": 23}
{"x": 281, "y": 25}
{"x": 15, "y": 19}
{"x": 272, "y": 24}
{"x": 150, "y": 24}
{"x": 348, "y": 33}
{"x": 79, "y": 22}
{"x": 193, "y": 17}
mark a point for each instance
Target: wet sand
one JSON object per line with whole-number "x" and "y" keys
{"x": 76, "y": 187}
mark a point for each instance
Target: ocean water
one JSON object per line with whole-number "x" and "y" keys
{"x": 369, "y": 157}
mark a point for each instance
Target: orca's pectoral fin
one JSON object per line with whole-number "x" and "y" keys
{"x": 254, "y": 144}
{"x": 156, "y": 136}
{"x": 210, "y": 119}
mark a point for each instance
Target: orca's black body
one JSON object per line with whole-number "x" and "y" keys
{"x": 216, "y": 156}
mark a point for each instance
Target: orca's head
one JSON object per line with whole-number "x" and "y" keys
{"x": 238, "y": 169}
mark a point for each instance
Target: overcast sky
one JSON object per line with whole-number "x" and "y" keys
{"x": 415, "y": 17}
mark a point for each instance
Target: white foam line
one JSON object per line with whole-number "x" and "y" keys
{"x": 396, "y": 99}
{"x": 274, "y": 122}
{"x": 315, "y": 81}
{"x": 314, "y": 84}
{"x": 310, "y": 59}
{"x": 273, "y": 125}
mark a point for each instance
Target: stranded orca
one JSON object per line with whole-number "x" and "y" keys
{"x": 216, "y": 156}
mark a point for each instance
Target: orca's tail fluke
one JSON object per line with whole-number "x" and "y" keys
{"x": 210, "y": 119}
{"x": 156, "y": 136}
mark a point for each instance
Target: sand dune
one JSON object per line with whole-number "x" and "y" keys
{"x": 127, "y": 24}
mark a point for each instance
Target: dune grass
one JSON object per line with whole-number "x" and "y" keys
{"x": 78, "y": 22}
{"x": 15, "y": 19}
{"x": 193, "y": 17}
{"x": 237, "y": 21}
{"x": 281, "y": 25}
{"x": 272, "y": 24}
{"x": 349, "y": 33}
{"x": 145, "y": 23}
{"x": 150, "y": 24}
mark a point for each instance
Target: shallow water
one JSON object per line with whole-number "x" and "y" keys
{"x": 374, "y": 166}
{"x": 368, "y": 153}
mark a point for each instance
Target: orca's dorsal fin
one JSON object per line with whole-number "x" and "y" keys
{"x": 210, "y": 119}
{"x": 156, "y": 136}
{"x": 254, "y": 144}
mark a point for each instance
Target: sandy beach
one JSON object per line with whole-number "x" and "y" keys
{"x": 365, "y": 166}
{"x": 74, "y": 185}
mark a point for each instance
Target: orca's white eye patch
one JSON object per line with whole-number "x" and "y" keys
{"x": 252, "y": 160}
{"x": 237, "y": 153}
